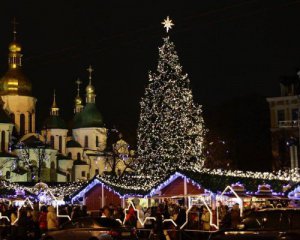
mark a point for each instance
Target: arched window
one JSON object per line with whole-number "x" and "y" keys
{"x": 7, "y": 175}
{"x": 78, "y": 156}
{"x": 12, "y": 117}
{"x": 60, "y": 144}
{"x": 86, "y": 141}
{"x": 30, "y": 122}
{"x": 52, "y": 141}
{"x": 2, "y": 141}
{"x": 97, "y": 141}
{"x": 22, "y": 124}
{"x": 96, "y": 171}
{"x": 70, "y": 155}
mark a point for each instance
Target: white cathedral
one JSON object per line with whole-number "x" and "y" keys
{"x": 52, "y": 155}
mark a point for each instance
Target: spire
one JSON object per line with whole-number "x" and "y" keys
{"x": 90, "y": 90}
{"x": 90, "y": 70}
{"x": 78, "y": 100}
{"x": 14, "y": 56}
{"x": 14, "y": 23}
{"x": 78, "y": 82}
{"x": 54, "y": 108}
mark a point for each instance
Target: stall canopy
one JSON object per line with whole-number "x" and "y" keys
{"x": 177, "y": 185}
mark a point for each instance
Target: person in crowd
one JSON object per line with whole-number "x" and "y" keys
{"x": 75, "y": 212}
{"x": 175, "y": 213}
{"x": 157, "y": 232}
{"x": 131, "y": 218}
{"x": 83, "y": 211}
{"x": 43, "y": 219}
{"x": 63, "y": 210}
{"x": 106, "y": 212}
{"x": 111, "y": 210}
{"x": 165, "y": 211}
{"x": 226, "y": 220}
{"x": 148, "y": 223}
{"x": 22, "y": 225}
{"x": 222, "y": 210}
{"x": 181, "y": 217}
{"x": 52, "y": 222}
{"x": 235, "y": 216}
{"x": 118, "y": 213}
{"x": 205, "y": 219}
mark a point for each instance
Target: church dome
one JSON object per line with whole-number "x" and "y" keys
{"x": 89, "y": 89}
{"x": 73, "y": 144}
{"x": 14, "y": 82}
{"x": 14, "y": 47}
{"x": 88, "y": 117}
{"x": 78, "y": 100}
{"x": 55, "y": 122}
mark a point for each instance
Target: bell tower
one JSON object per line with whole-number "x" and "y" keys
{"x": 16, "y": 90}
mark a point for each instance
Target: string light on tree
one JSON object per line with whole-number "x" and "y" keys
{"x": 171, "y": 127}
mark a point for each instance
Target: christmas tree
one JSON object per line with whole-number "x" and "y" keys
{"x": 171, "y": 127}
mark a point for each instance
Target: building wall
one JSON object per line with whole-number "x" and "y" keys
{"x": 284, "y": 127}
{"x": 17, "y": 105}
{"x": 7, "y": 129}
{"x": 75, "y": 153}
{"x": 77, "y": 172}
{"x": 80, "y": 135}
{"x": 56, "y": 133}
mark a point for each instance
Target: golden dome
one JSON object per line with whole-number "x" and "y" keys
{"x": 14, "y": 47}
{"x": 14, "y": 82}
{"x": 89, "y": 89}
{"x": 78, "y": 100}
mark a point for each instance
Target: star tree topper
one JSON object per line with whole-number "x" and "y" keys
{"x": 167, "y": 23}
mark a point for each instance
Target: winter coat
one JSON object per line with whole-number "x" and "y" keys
{"x": 43, "y": 221}
{"x": 205, "y": 218}
{"x": 235, "y": 217}
{"x": 52, "y": 222}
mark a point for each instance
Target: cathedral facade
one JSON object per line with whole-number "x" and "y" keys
{"x": 56, "y": 153}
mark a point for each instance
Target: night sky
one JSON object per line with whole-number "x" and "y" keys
{"x": 230, "y": 49}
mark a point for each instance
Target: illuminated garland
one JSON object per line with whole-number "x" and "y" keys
{"x": 132, "y": 184}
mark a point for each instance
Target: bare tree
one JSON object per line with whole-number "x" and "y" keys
{"x": 32, "y": 158}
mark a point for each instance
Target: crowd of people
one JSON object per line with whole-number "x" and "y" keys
{"x": 36, "y": 220}
{"x": 31, "y": 222}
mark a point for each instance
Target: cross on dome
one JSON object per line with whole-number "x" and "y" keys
{"x": 90, "y": 70}
{"x": 14, "y": 23}
{"x": 78, "y": 82}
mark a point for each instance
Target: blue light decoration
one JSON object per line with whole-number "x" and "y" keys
{"x": 170, "y": 180}
{"x": 295, "y": 194}
{"x": 97, "y": 181}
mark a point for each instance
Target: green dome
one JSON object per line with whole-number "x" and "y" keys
{"x": 73, "y": 144}
{"x": 55, "y": 122}
{"x": 88, "y": 117}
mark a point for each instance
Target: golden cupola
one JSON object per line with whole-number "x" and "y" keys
{"x": 90, "y": 90}
{"x": 14, "y": 82}
{"x": 78, "y": 103}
